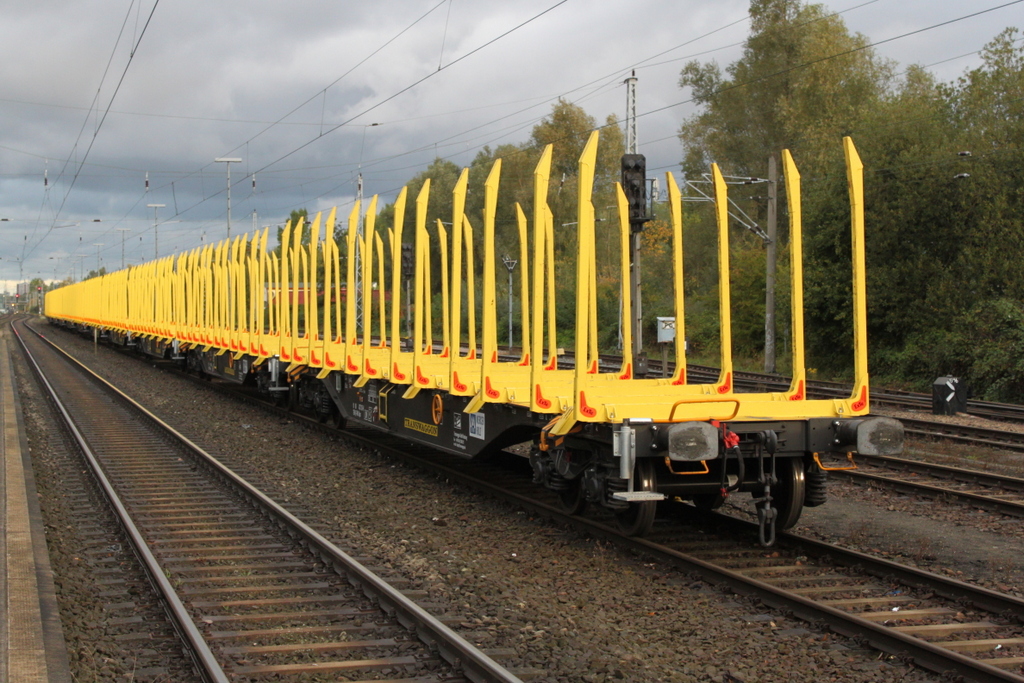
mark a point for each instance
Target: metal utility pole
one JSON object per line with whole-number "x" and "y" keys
{"x": 631, "y": 114}
{"x": 510, "y": 263}
{"x": 770, "y": 262}
{"x": 156, "y": 235}
{"x": 634, "y": 184}
{"x": 123, "y": 231}
{"x": 359, "y": 249}
{"x": 97, "y": 245}
{"x": 227, "y": 161}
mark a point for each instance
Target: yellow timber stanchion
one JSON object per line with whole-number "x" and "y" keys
{"x": 855, "y": 180}
{"x": 312, "y": 289}
{"x": 550, "y": 388}
{"x": 431, "y": 370}
{"x": 351, "y": 352}
{"x": 284, "y": 281}
{"x": 206, "y": 294}
{"x": 502, "y": 382}
{"x": 331, "y": 342}
{"x": 243, "y": 313}
{"x": 797, "y": 388}
{"x": 299, "y": 337}
{"x": 464, "y": 369}
{"x": 266, "y": 343}
{"x": 724, "y": 384}
{"x": 383, "y": 354}
{"x": 223, "y": 299}
{"x": 332, "y": 345}
{"x": 374, "y": 360}
{"x": 401, "y": 361}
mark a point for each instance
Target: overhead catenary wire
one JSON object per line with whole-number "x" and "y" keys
{"x": 396, "y": 94}
{"x": 314, "y": 193}
{"x": 323, "y": 91}
{"x": 519, "y": 126}
{"x": 99, "y": 124}
{"x": 619, "y": 72}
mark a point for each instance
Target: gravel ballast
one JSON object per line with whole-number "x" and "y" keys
{"x": 572, "y": 607}
{"x": 115, "y": 629}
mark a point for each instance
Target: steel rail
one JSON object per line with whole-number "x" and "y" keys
{"x": 925, "y": 654}
{"x": 987, "y": 502}
{"x": 199, "y": 649}
{"x": 1006, "y": 507}
{"x": 456, "y": 650}
{"x": 963, "y": 434}
{"x": 944, "y": 471}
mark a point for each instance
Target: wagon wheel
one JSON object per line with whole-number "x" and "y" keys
{"x": 638, "y": 518}
{"x": 789, "y": 493}
{"x": 572, "y": 500}
{"x": 322, "y": 410}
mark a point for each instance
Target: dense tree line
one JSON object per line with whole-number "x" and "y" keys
{"x": 944, "y": 185}
{"x": 944, "y": 191}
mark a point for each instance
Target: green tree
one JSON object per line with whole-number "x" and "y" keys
{"x": 297, "y": 217}
{"x": 803, "y": 81}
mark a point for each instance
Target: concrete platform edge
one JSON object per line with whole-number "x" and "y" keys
{"x": 36, "y": 650}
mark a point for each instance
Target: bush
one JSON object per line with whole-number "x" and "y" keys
{"x": 992, "y": 335}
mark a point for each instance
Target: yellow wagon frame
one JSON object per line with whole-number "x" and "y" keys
{"x": 239, "y": 297}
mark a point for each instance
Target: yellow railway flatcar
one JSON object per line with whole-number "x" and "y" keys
{"x": 301, "y": 323}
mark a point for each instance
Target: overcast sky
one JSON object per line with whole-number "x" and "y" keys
{"x": 284, "y": 87}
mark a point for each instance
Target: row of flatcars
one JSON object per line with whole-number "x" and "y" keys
{"x": 281, "y": 320}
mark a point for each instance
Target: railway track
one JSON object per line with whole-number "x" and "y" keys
{"x": 119, "y": 604}
{"x": 980, "y": 436}
{"x": 904, "y": 400}
{"x": 995, "y": 492}
{"x": 252, "y": 591}
{"x": 943, "y": 625}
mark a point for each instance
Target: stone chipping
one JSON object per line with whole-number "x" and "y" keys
{"x": 567, "y": 606}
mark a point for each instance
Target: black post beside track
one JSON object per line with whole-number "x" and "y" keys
{"x": 465, "y": 657}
